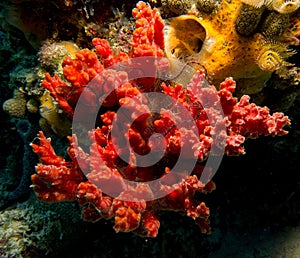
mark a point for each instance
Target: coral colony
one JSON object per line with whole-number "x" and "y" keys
{"x": 58, "y": 179}
{"x": 249, "y": 44}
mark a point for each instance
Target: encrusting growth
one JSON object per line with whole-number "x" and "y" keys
{"x": 226, "y": 41}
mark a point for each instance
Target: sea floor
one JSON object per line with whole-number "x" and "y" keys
{"x": 262, "y": 243}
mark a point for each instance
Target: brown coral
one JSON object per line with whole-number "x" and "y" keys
{"x": 178, "y": 6}
{"x": 275, "y": 24}
{"x": 248, "y": 19}
{"x": 206, "y": 6}
{"x": 16, "y": 106}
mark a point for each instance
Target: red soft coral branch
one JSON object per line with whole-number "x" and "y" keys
{"x": 148, "y": 40}
{"x": 106, "y": 54}
{"x": 59, "y": 90}
{"x": 78, "y": 72}
{"x": 46, "y": 153}
{"x": 56, "y": 179}
{"x": 148, "y": 37}
{"x": 247, "y": 120}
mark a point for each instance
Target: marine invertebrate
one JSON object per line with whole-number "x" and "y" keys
{"x": 51, "y": 54}
{"x": 248, "y": 19}
{"x": 148, "y": 40}
{"x": 274, "y": 25}
{"x": 226, "y": 42}
{"x": 118, "y": 30}
{"x": 97, "y": 176}
{"x": 179, "y": 6}
{"x": 16, "y": 106}
{"x": 280, "y": 6}
{"x": 285, "y": 6}
{"x": 206, "y": 6}
{"x": 148, "y": 37}
{"x": 51, "y": 116}
{"x": 79, "y": 72}
{"x": 271, "y": 57}
{"x": 58, "y": 180}
{"x": 32, "y": 106}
